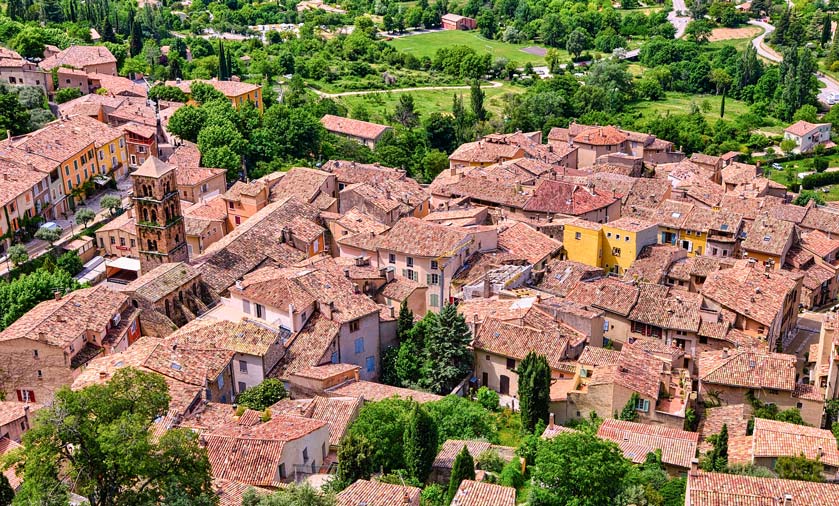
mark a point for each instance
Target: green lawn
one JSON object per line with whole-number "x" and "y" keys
{"x": 380, "y": 105}
{"x": 427, "y": 44}
{"x": 680, "y": 103}
{"x": 805, "y": 165}
{"x": 739, "y": 44}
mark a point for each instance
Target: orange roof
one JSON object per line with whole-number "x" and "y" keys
{"x": 79, "y": 57}
{"x": 478, "y": 493}
{"x": 717, "y": 489}
{"x": 601, "y": 136}
{"x": 353, "y": 127}
{"x": 636, "y": 440}
{"x": 376, "y": 493}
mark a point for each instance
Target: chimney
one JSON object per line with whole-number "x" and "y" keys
{"x": 57, "y": 295}
{"x": 551, "y": 420}
{"x": 239, "y": 284}
{"x": 392, "y": 312}
{"x": 103, "y": 375}
{"x": 406, "y": 498}
{"x": 725, "y": 353}
{"x": 346, "y": 272}
{"x": 787, "y": 499}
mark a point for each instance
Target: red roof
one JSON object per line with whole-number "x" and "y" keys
{"x": 353, "y": 127}
{"x": 565, "y": 198}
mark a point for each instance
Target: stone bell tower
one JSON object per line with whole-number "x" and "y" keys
{"x": 157, "y": 211}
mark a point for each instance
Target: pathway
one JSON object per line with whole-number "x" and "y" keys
{"x": 680, "y": 23}
{"x": 493, "y": 84}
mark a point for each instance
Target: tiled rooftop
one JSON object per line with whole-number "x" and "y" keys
{"x": 478, "y": 493}
{"x": 750, "y": 291}
{"x": 776, "y": 439}
{"x": 717, "y": 489}
{"x": 376, "y": 493}
{"x": 372, "y": 392}
{"x": 353, "y": 127}
{"x": 523, "y": 241}
{"x": 416, "y": 237}
{"x": 747, "y": 368}
{"x": 515, "y": 341}
{"x": 636, "y": 440}
{"x": 162, "y": 281}
{"x": 79, "y": 57}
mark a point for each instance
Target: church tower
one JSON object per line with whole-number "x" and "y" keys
{"x": 157, "y": 211}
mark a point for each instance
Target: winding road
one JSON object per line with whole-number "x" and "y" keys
{"x": 680, "y": 23}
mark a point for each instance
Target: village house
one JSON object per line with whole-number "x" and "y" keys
{"x": 89, "y": 59}
{"x": 386, "y": 200}
{"x": 441, "y": 469}
{"x": 768, "y": 240}
{"x": 205, "y": 222}
{"x": 615, "y": 298}
{"x": 760, "y": 302}
{"x": 480, "y": 493}
{"x": 613, "y": 246}
{"x": 819, "y": 283}
{"x": 140, "y": 142}
{"x": 16, "y": 70}
{"x": 48, "y": 347}
{"x": 377, "y": 493}
{"x": 457, "y": 22}
{"x": 425, "y": 253}
{"x": 194, "y": 377}
{"x": 637, "y": 440}
{"x": 808, "y": 135}
{"x": 498, "y": 148}
{"x": 245, "y": 199}
{"x": 729, "y": 375}
{"x": 716, "y": 489}
{"x": 256, "y": 243}
{"x": 24, "y": 195}
{"x": 363, "y": 132}
{"x": 594, "y": 142}
{"x": 16, "y": 418}
{"x": 772, "y": 439}
{"x": 257, "y": 346}
{"x": 312, "y": 186}
{"x": 84, "y": 150}
{"x": 236, "y": 91}
{"x": 339, "y": 412}
{"x": 170, "y": 295}
{"x": 196, "y": 183}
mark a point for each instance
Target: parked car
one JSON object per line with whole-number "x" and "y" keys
{"x": 51, "y": 225}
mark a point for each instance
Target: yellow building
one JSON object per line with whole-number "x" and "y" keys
{"x": 81, "y": 146}
{"x": 612, "y": 246}
{"x": 236, "y": 91}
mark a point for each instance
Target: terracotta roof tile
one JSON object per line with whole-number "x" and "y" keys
{"x": 228, "y": 88}
{"x": 11, "y": 411}
{"x": 301, "y": 182}
{"x": 653, "y": 263}
{"x": 448, "y": 452}
{"x": 308, "y": 347}
{"x": 515, "y": 341}
{"x": 593, "y": 355}
{"x": 606, "y": 293}
{"x": 353, "y": 127}
{"x": 561, "y": 276}
{"x": 601, "y": 136}
{"x": 162, "y": 281}
{"x": 734, "y": 416}
{"x": 776, "y": 439}
{"x": 768, "y": 235}
{"x": 667, "y": 308}
{"x": 636, "y": 370}
{"x": 376, "y": 493}
{"x": 417, "y": 237}
{"x": 678, "y": 447}
{"x": 79, "y": 57}
{"x": 552, "y": 196}
{"x": 6, "y": 446}
{"x": 372, "y": 392}
{"x": 478, "y": 493}
{"x": 523, "y": 241}
{"x": 802, "y": 128}
{"x": 819, "y": 243}
{"x": 747, "y": 368}
{"x": 750, "y": 291}
{"x": 717, "y": 489}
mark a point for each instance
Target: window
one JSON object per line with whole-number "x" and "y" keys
{"x": 391, "y": 258}
{"x": 434, "y": 300}
{"x": 703, "y": 340}
{"x": 204, "y": 188}
{"x": 626, "y": 239}
{"x": 242, "y": 386}
{"x": 487, "y": 357}
{"x": 40, "y": 374}
{"x": 618, "y": 237}
{"x": 26, "y": 396}
{"x": 511, "y": 363}
{"x": 141, "y": 149}
{"x": 432, "y": 279}
{"x": 354, "y": 325}
{"x": 122, "y": 241}
{"x": 282, "y": 472}
{"x": 305, "y": 454}
{"x": 35, "y": 353}
{"x": 133, "y": 243}
{"x": 334, "y": 358}
{"x": 134, "y": 161}
{"x": 113, "y": 240}
{"x": 370, "y": 364}
{"x": 121, "y": 142}
{"x": 260, "y": 310}
{"x": 359, "y": 345}
{"x": 246, "y": 306}
{"x": 578, "y": 235}
{"x": 608, "y": 234}
{"x": 605, "y": 325}
{"x": 410, "y": 274}
{"x": 111, "y": 148}
{"x": 434, "y": 265}
{"x": 409, "y": 261}
{"x": 616, "y": 252}
{"x": 642, "y": 405}
{"x": 230, "y": 205}
{"x": 238, "y": 220}
{"x": 220, "y": 381}
{"x": 243, "y": 367}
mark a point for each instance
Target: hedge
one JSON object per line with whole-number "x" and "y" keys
{"x": 819, "y": 179}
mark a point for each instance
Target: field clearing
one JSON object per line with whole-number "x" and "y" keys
{"x": 427, "y": 44}
{"x": 744, "y": 32}
{"x": 381, "y": 105}
{"x": 680, "y": 103}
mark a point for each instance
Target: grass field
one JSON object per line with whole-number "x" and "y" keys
{"x": 739, "y": 44}
{"x": 805, "y": 165}
{"x": 680, "y": 103}
{"x": 427, "y": 44}
{"x": 381, "y": 105}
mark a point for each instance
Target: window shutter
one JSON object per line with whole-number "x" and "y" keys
{"x": 428, "y": 279}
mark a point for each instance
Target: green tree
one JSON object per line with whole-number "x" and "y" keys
{"x": 170, "y": 93}
{"x": 7, "y": 495}
{"x": 487, "y": 398}
{"x": 448, "y": 357}
{"x": 806, "y": 112}
{"x": 434, "y": 162}
{"x": 13, "y": 115}
{"x": 293, "y": 495}
{"x": 187, "y": 123}
{"x": 578, "y": 41}
{"x": 799, "y": 468}
{"x": 405, "y": 321}
{"x": 383, "y": 423}
{"x": 826, "y": 25}
{"x": 462, "y": 469}
{"x": 67, "y": 94}
{"x": 717, "y": 458}
{"x": 203, "y": 92}
{"x": 578, "y": 468}
{"x": 25, "y": 292}
{"x": 476, "y": 96}
{"x": 419, "y": 443}
{"x": 459, "y": 418}
{"x": 70, "y": 263}
{"x": 84, "y": 216}
{"x": 135, "y": 40}
{"x": 51, "y": 235}
{"x": 629, "y": 411}
{"x": 511, "y": 474}
{"x": 18, "y": 254}
{"x": 29, "y": 42}
{"x": 117, "y": 460}
{"x": 264, "y": 395}
{"x": 405, "y": 114}
{"x": 16, "y": 11}
{"x": 534, "y": 390}
{"x": 487, "y": 24}
{"x": 440, "y": 131}
{"x": 433, "y": 495}
{"x": 112, "y": 203}
{"x": 806, "y": 196}
{"x": 787, "y": 145}
{"x": 223, "y": 70}
{"x": 355, "y": 459}
{"x": 698, "y": 31}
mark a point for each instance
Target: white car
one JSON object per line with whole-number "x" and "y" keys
{"x": 51, "y": 225}
{"x": 777, "y": 166}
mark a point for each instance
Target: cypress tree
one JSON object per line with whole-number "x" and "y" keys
{"x": 108, "y": 30}
{"x": 135, "y": 41}
{"x": 463, "y": 469}
{"x": 6, "y": 492}
{"x": 826, "y": 26}
{"x": 833, "y": 54}
{"x": 534, "y": 390}
{"x": 419, "y": 444}
{"x": 222, "y": 66}
{"x": 629, "y": 413}
{"x": 14, "y": 9}
{"x": 355, "y": 459}
{"x": 477, "y": 98}
{"x": 405, "y": 322}
{"x": 721, "y": 449}
{"x": 722, "y": 103}
{"x": 781, "y": 27}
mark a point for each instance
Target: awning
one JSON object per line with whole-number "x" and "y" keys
{"x": 124, "y": 263}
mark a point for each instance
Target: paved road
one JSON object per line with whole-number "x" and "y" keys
{"x": 678, "y": 22}
{"x": 493, "y": 84}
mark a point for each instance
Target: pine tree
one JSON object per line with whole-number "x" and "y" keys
{"x": 448, "y": 358}
{"x": 717, "y": 458}
{"x": 722, "y": 103}
{"x": 405, "y": 322}
{"x": 222, "y": 64}
{"x": 355, "y": 459}
{"x": 419, "y": 444}
{"x": 534, "y": 390}
{"x": 477, "y": 97}
{"x": 463, "y": 469}
{"x": 781, "y": 28}
{"x": 108, "y": 30}
{"x": 15, "y": 10}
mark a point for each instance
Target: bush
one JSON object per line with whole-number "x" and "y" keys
{"x": 819, "y": 164}
{"x": 263, "y": 395}
{"x": 511, "y": 474}
{"x": 491, "y": 461}
{"x": 70, "y": 262}
{"x": 819, "y": 179}
{"x": 66, "y": 95}
{"x": 488, "y": 398}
